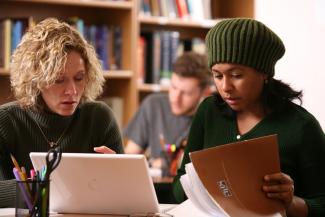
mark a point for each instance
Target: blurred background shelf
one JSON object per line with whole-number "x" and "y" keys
{"x": 132, "y": 76}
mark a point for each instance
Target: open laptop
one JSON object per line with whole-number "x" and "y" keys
{"x": 100, "y": 184}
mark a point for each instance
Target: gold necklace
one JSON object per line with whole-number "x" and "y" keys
{"x": 51, "y": 143}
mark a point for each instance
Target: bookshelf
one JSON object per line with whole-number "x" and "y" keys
{"x": 188, "y": 27}
{"x": 120, "y": 82}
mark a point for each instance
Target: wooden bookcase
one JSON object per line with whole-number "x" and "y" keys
{"x": 120, "y": 83}
{"x": 189, "y": 29}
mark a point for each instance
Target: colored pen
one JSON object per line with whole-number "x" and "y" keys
{"x": 43, "y": 173}
{"x": 23, "y": 189}
{"x": 32, "y": 174}
{"x": 44, "y": 201}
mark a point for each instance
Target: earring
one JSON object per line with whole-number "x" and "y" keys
{"x": 266, "y": 81}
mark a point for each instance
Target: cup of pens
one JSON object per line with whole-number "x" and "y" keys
{"x": 33, "y": 194}
{"x": 32, "y": 198}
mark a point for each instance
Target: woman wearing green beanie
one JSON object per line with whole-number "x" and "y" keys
{"x": 250, "y": 103}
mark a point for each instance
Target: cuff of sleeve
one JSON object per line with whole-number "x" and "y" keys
{"x": 8, "y": 193}
{"x": 178, "y": 191}
{"x": 315, "y": 208}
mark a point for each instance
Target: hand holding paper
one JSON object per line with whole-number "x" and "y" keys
{"x": 230, "y": 178}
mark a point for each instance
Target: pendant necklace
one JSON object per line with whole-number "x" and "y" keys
{"x": 52, "y": 143}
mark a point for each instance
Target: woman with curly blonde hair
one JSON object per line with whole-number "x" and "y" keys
{"x": 55, "y": 77}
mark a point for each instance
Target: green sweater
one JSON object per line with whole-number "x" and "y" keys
{"x": 92, "y": 124}
{"x": 301, "y": 146}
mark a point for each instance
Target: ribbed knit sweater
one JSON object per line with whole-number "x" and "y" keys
{"x": 301, "y": 146}
{"x": 92, "y": 124}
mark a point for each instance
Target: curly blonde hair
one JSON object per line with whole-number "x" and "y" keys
{"x": 42, "y": 54}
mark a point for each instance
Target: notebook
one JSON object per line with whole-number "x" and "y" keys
{"x": 100, "y": 184}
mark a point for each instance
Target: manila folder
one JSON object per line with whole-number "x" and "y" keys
{"x": 233, "y": 175}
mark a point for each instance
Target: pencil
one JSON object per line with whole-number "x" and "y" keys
{"x": 15, "y": 162}
{"x": 21, "y": 173}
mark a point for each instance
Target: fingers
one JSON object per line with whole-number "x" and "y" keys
{"x": 279, "y": 186}
{"x": 283, "y": 193}
{"x": 103, "y": 149}
{"x": 278, "y": 177}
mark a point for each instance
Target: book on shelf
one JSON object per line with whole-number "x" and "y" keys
{"x": 11, "y": 32}
{"x": 207, "y": 9}
{"x": 165, "y": 69}
{"x": 152, "y": 63}
{"x": 171, "y": 8}
{"x": 192, "y": 9}
{"x": 227, "y": 180}
{"x": 107, "y": 41}
{"x": 160, "y": 53}
{"x": 117, "y": 50}
{"x": 163, "y": 8}
{"x": 160, "y": 49}
{"x": 195, "y": 8}
{"x": 145, "y": 8}
{"x": 141, "y": 51}
{"x": 182, "y": 8}
{"x": 155, "y": 8}
{"x": 3, "y": 61}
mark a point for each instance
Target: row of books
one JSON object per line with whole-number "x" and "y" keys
{"x": 11, "y": 32}
{"x": 185, "y": 9}
{"x": 107, "y": 40}
{"x": 158, "y": 50}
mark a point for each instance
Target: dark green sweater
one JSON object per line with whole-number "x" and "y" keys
{"x": 92, "y": 124}
{"x": 301, "y": 146}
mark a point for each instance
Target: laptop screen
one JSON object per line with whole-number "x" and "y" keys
{"x": 100, "y": 184}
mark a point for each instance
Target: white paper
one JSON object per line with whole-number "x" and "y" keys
{"x": 198, "y": 195}
{"x": 187, "y": 209}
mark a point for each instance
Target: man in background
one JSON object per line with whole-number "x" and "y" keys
{"x": 162, "y": 123}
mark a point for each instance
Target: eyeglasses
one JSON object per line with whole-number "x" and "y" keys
{"x": 150, "y": 215}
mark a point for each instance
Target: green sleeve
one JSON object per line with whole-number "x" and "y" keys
{"x": 7, "y": 183}
{"x": 312, "y": 167}
{"x": 195, "y": 142}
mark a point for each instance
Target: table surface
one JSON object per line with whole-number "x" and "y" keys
{"x": 10, "y": 212}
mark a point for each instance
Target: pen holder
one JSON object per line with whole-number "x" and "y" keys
{"x": 32, "y": 198}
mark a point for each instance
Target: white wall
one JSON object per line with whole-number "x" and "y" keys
{"x": 301, "y": 26}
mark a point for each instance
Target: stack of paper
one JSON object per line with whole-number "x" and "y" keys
{"x": 227, "y": 180}
{"x": 188, "y": 209}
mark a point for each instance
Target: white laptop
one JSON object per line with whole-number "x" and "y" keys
{"x": 100, "y": 184}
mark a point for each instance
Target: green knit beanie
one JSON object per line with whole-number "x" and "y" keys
{"x": 244, "y": 41}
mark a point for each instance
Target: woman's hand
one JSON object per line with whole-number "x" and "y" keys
{"x": 279, "y": 186}
{"x": 104, "y": 150}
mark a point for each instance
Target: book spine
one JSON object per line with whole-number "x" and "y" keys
{"x": 7, "y": 42}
